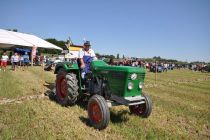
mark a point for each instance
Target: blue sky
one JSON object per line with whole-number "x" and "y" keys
{"x": 176, "y": 29}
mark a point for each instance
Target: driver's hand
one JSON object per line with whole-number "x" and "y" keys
{"x": 82, "y": 66}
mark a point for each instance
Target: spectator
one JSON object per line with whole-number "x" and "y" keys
{"x": 133, "y": 64}
{"x": 12, "y": 58}
{"x": 16, "y": 60}
{"x": 21, "y": 60}
{"x": 4, "y": 60}
{"x": 26, "y": 59}
{"x": 111, "y": 61}
{"x": 165, "y": 66}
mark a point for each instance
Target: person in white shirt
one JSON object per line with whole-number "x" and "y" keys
{"x": 16, "y": 60}
{"x": 86, "y": 55}
{"x": 165, "y": 66}
{"x": 4, "y": 60}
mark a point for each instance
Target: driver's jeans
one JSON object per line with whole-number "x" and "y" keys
{"x": 86, "y": 69}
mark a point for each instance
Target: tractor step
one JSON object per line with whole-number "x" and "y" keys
{"x": 128, "y": 101}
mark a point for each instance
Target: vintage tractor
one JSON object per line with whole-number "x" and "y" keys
{"x": 106, "y": 86}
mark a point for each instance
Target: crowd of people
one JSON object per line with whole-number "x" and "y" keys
{"x": 199, "y": 67}
{"x": 22, "y": 60}
{"x": 159, "y": 66}
{"x": 16, "y": 60}
{"x": 148, "y": 65}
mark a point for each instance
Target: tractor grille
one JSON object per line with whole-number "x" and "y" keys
{"x": 117, "y": 75}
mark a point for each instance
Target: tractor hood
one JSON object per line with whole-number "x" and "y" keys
{"x": 119, "y": 77}
{"x": 100, "y": 65}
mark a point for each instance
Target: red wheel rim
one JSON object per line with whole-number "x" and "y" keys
{"x": 95, "y": 113}
{"x": 62, "y": 87}
{"x": 138, "y": 109}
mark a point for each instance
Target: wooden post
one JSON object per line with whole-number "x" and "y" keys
{"x": 32, "y": 58}
{"x": 43, "y": 79}
{"x": 155, "y": 72}
{"x": 33, "y": 53}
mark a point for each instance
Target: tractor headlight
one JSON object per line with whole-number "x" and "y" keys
{"x": 133, "y": 76}
{"x": 130, "y": 85}
{"x": 141, "y": 84}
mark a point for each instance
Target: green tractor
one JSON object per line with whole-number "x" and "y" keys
{"x": 106, "y": 86}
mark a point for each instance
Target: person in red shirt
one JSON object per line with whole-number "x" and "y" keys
{"x": 4, "y": 59}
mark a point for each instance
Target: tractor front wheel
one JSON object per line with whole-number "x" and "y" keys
{"x": 98, "y": 112}
{"x": 142, "y": 110}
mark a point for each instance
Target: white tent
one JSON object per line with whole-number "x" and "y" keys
{"x": 9, "y": 39}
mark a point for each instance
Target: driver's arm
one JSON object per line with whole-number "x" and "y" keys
{"x": 93, "y": 55}
{"x": 82, "y": 63}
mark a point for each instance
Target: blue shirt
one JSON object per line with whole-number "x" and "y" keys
{"x": 26, "y": 58}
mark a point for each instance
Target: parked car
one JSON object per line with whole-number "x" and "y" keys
{"x": 170, "y": 67}
{"x": 57, "y": 60}
{"x": 159, "y": 68}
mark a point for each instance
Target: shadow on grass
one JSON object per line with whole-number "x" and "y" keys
{"x": 85, "y": 120}
{"x": 50, "y": 86}
{"x": 119, "y": 116}
{"x": 115, "y": 116}
{"x": 51, "y": 91}
{"x": 82, "y": 102}
{"x": 51, "y": 95}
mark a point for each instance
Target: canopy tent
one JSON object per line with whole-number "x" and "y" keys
{"x": 9, "y": 39}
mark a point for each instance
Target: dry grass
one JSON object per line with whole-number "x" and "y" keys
{"x": 181, "y": 110}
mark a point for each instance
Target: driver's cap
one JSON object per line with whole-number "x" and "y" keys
{"x": 87, "y": 43}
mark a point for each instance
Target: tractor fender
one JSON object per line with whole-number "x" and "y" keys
{"x": 66, "y": 66}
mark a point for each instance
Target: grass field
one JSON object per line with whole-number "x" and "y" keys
{"x": 181, "y": 109}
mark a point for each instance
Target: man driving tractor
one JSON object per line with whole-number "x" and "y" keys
{"x": 105, "y": 85}
{"x": 86, "y": 55}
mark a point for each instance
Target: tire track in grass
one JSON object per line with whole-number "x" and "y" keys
{"x": 186, "y": 88}
{"x": 11, "y": 85}
{"x": 179, "y": 81}
{"x": 162, "y": 124}
{"x": 44, "y": 119}
{"x": 171, "y": 97}
{"x": 19, "y": 83}
{"x": 199, "y": 87}
{"x": 19, "y": 100}
{"x": 199, "y": 124}
{"x": 181, "y": 115}
{"x": 177, "y": 75}
{"x": 166, "y": 97}
{"x": 48, "y": 76}
{"x": 193, "y": 94}
{"x": 180, "y": 102}
{"x": 195, "y": 106}
{"x": 184, "y": 94}
{"x": 31, "y": 84}
{"x": 197, "y": 121}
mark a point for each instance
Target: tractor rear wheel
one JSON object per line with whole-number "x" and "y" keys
{"x": 142, "y": 110}
{"x": 98, "y": 112}
{"x": 66, "y": 88}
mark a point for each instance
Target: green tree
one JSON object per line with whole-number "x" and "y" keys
{"x": 55, "y": 42}
{"x": 14, "y": 30}
{"x": 118, "y": 56}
